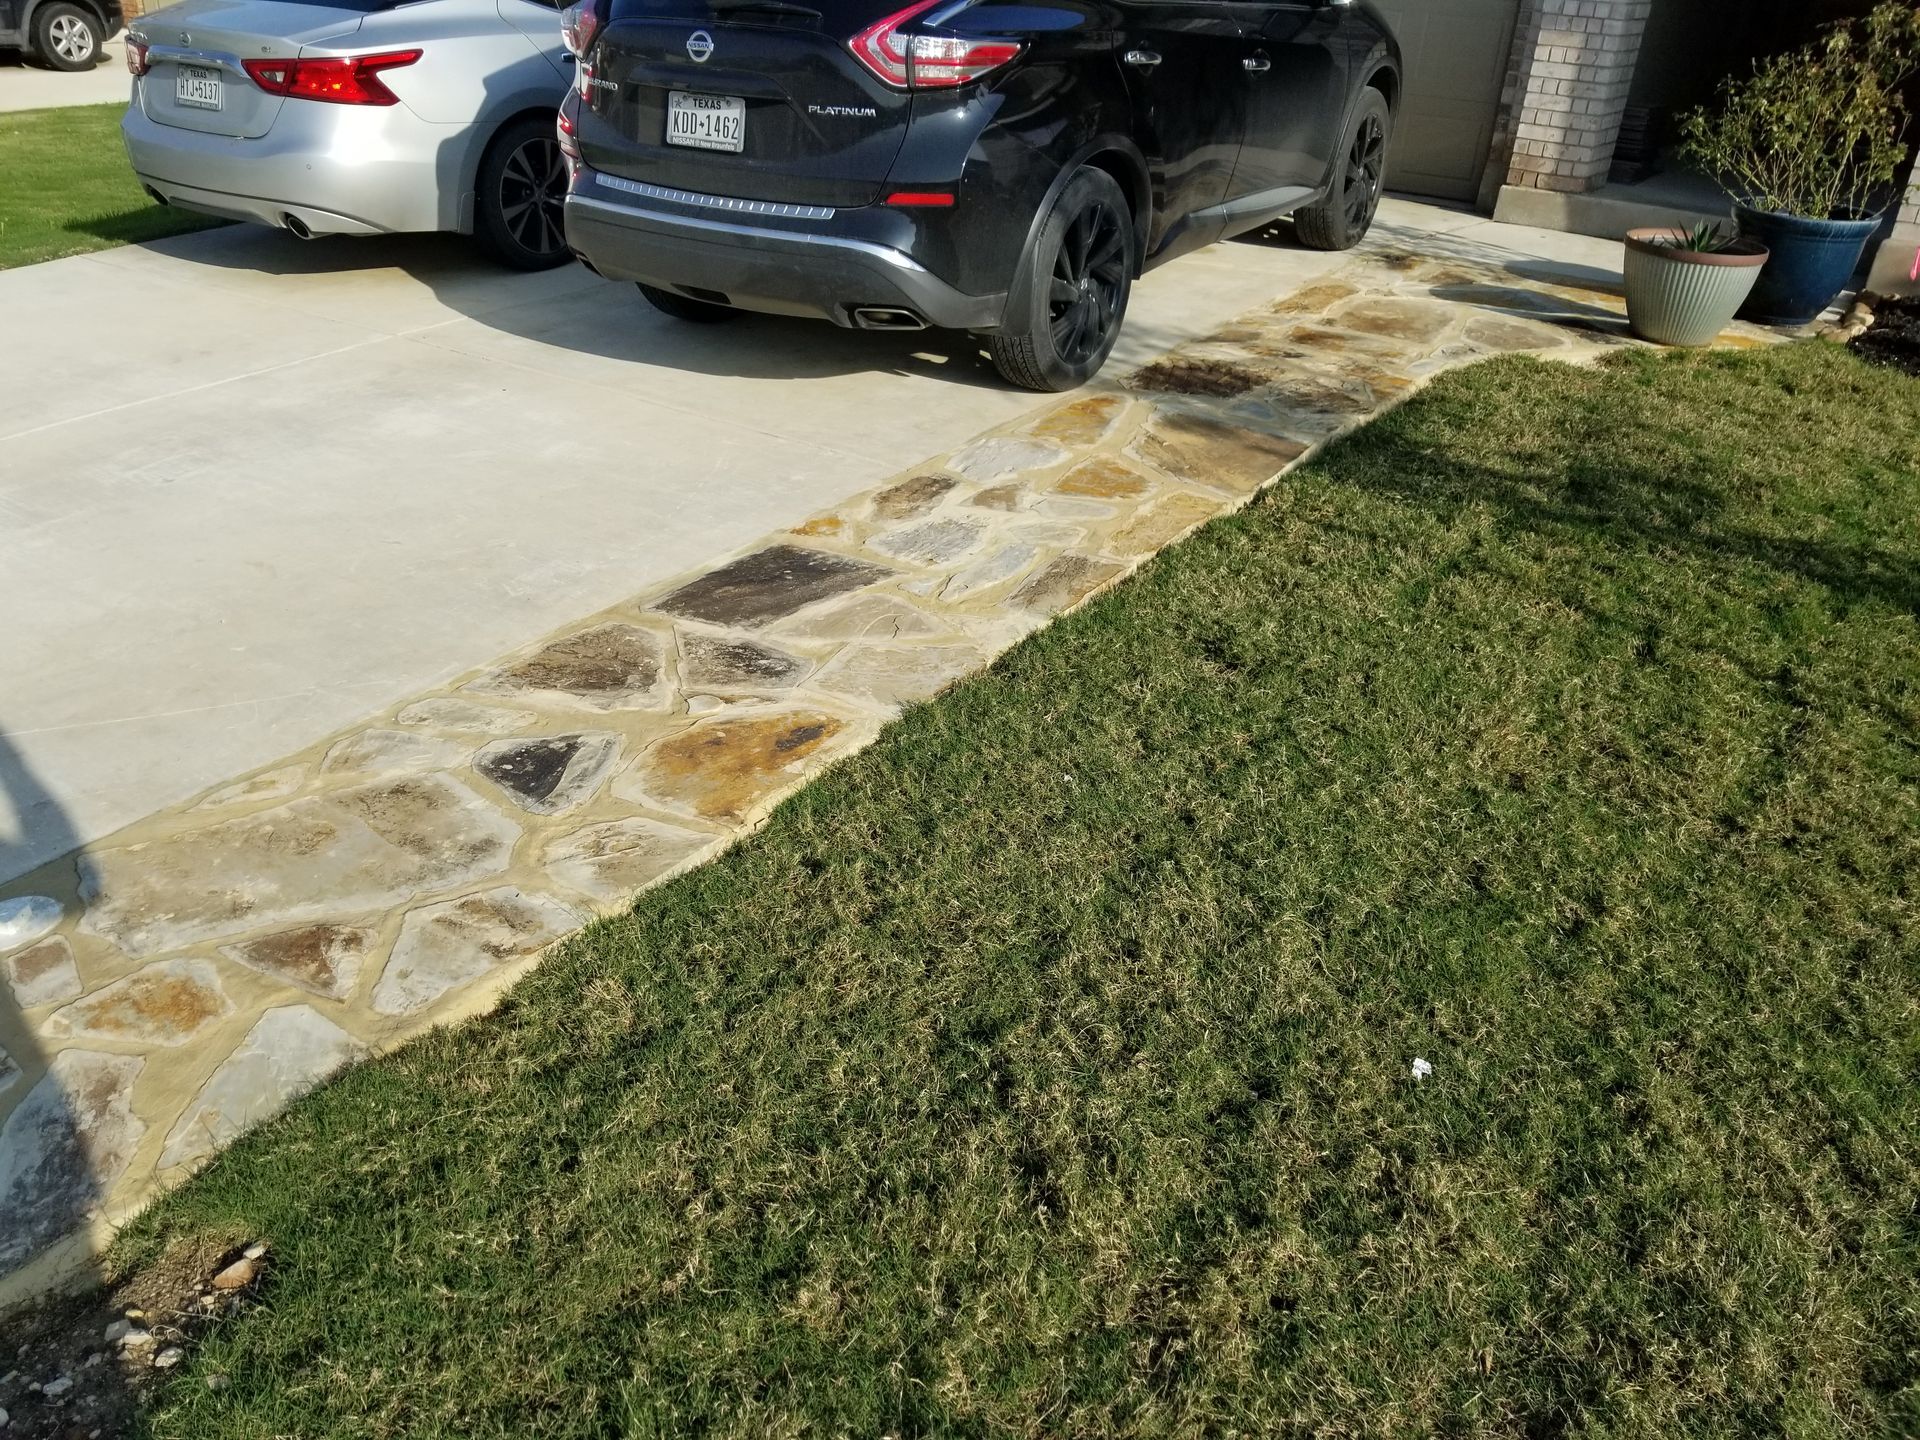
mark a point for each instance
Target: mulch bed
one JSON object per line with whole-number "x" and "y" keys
{"x": 1894, "y": 338}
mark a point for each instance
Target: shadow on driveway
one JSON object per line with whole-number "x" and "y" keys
{"x": 553, "y": 308}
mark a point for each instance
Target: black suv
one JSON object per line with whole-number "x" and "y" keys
{"x": 1002, "y": 168}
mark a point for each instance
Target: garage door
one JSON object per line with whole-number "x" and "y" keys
{"x": 1456, "y": 54}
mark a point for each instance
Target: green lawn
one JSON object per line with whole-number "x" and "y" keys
{"x": 1045, "y": 1069}
{"x": 66, "y": 187}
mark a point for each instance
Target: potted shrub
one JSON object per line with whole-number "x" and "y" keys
{"x": 1811, "y": 145}
{"x": 1683, "y": 287}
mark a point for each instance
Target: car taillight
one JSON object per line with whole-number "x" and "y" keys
{"x": 568, "y": 128}
{"x": 137, "y": 55}
{"x": 578, "y": 25}
{"x": 339, "y": 80}
{"x": 925, "y": 62}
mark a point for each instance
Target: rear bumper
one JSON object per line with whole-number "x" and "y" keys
{"x": 339, "y": 169}
{"x": 813, "y": 262}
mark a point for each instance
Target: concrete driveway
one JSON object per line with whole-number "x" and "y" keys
{"x": 253, "y": 489}
{"x": 26, "y": 85}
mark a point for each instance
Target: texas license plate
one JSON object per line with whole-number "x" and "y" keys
{"x": 706, "y": 122}
{"x": 197, "y": 86}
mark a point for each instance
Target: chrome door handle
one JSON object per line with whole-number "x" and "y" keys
{"x": 1145, "y": 59}
{"x": 1258, "y": 64}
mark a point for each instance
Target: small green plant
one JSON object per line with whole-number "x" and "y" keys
{"x": 1706, "y": 238}
{"x": 1816, "y": 132}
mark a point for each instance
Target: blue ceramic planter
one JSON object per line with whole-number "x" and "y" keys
{"x": 1812, "y": 262}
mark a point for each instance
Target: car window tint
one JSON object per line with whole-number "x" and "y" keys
{"x": 837, "y": 17}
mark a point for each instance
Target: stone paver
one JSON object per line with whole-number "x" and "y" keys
{"x": 191, "y": 974}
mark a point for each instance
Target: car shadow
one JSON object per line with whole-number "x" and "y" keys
{"x": 571, "y": 308}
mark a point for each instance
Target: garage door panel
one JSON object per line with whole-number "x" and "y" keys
{"x": 1456, "y": 53}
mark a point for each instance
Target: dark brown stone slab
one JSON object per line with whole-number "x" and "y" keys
{"x": 767, "y": 584}
{"x": 1221, "y": 457}
{"x": 911, "y": 499}
{"x": 549, "y": 774}
{"x": 607, "y": 667}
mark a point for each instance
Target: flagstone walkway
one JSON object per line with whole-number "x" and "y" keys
{"x": 180, "y": 981}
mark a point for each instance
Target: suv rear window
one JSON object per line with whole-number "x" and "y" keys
{"x": 837, "y": 17}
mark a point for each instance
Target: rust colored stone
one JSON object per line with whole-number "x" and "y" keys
{"x": 722, "y": 769}
{"x": 167, "y": 1003}
{"x": 1315, "y": 298}
{"x": 1103, "y": 479}
{"x": 1083, "y": 422}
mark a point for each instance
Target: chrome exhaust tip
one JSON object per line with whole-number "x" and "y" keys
{"x": 887, "y": 317}
{"x": 296, "y": 225}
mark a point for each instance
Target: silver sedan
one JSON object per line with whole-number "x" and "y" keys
{"x": 357, "y": 117}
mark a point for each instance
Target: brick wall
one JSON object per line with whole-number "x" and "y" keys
{"x": 1574, "y": 63}
{"x": 1526, "y": 31}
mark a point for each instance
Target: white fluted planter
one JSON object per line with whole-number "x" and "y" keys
{"x": 1686, "y": 297}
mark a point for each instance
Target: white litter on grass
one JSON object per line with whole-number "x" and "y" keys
{"x": 1421, "y": 1068}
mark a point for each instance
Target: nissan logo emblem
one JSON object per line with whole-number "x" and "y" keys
{"x": 699, "y": 47}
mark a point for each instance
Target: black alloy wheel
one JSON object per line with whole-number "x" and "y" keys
{"x": 1071, "y": 299}
{"x": 1366, "y": 172}
{"x": 1340, "y": 219}
{"x": 523, "y": 198}
{"x": 1089, "y": 276}
{"x": 533, "y": 195}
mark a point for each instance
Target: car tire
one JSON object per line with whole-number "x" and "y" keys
{"x": 1067, "y": 307}
{"x": 681, "y": 307}
{"x": 66, "y": 37}
{"x": 1341, "y": 220}
{"x": 520, "y": 197}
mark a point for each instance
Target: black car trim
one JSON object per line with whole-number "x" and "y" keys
{"x": 899, "y": 259}
{"x": 1273, "y": 202}
{"x": 774, "y": 208}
